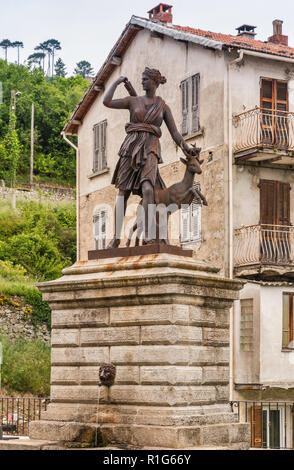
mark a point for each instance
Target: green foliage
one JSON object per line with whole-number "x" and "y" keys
{"x": 84, "y": 69}
{"x": 26, "y": 366}
{"x": 41, "y": 237}
{"x": 54, "y": 101}
{"x": 12, "y": 272}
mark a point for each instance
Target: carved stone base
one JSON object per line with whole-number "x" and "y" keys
{"x": 163, "y": 322}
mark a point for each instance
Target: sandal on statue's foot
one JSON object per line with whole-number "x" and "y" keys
{"x": 115, "y": 242}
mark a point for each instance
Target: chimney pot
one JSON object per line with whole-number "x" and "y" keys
{"x": 161, "y": 12}
{"x": 278, "y": 37}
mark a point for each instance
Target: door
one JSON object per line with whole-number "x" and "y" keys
{"x": 274, "y": 222}
{"x": 273, "y": 428}
{"x": 274, "y": 108}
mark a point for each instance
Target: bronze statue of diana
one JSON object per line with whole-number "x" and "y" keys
{"x": 139, "y": 155}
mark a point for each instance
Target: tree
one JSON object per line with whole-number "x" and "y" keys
{"x": 43, "y": 47}
{"x": 5, "y": 44}
{"x": 53, "y": 45}
{"x": 84, "y": 68}
{"x": 36, "y": 58}
{"x": 60, "y": 68}
{"x": 19, "y": 45}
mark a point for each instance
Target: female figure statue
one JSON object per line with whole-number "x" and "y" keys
{"x": 137, "y": 168}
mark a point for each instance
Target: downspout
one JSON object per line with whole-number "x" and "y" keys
{"x": 231, "y": 228}
{"x": 77, "y": 190}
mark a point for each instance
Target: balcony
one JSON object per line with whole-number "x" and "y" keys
{"x": 264, "y": 250}
{"x": 264, "y": 135}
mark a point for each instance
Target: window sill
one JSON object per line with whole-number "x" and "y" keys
{"x": 287, "y": 350}
{"x": 194, "y": 135}
{"x": 98, "y": 173}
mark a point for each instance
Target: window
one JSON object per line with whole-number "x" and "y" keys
{"x": 100, "y": 225}
{"x": 99, "y": 160}
{"x": 288, "y": 323}
{"x": 275, "y": 240}
{"x": 274, "y": 105}
{"x": 246, "y": 325}
{"x": 191, "y": 220}
{"x": 190, "y": 94}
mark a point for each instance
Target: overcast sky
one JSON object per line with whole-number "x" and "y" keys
{"x": 88, "y": 29}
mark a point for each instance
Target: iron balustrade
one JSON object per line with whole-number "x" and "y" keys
{"x": 16, "y": 413}
{"x": 272, "y": 422}
{"x": 263, "y": 128}
{"x": 266, "y": 244}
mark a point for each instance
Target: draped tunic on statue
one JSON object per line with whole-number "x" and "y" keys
{"x": 140, "y": 152}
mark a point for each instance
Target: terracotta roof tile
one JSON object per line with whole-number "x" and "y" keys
{"x": 240, "y": 41}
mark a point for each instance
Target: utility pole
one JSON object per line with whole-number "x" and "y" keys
{"x": 32, "y": 146}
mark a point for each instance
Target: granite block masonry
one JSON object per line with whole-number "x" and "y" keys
{"x": 163, "y": 321}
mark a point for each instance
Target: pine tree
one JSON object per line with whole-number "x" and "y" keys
{"x": 60, "y": 69}
{"x": 84, "y": 68}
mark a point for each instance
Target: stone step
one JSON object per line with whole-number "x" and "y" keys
{"x": 33, "y": 444}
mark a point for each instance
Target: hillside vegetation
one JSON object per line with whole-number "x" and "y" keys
{"x": 54, "y": 100}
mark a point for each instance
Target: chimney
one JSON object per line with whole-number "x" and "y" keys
{"x": 246, "y": 31}
{"x": 161, "y": 13}
{"x": 278, "y": 37}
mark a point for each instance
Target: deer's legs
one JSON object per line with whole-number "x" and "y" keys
{"x": 120, "y": 210}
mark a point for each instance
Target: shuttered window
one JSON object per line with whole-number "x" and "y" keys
{"x": 100, "y": 226}
{"x": 190, "y": 98}
{"x": 99, "y": 159}
{"x": 274, "y": 202}
{"x": 191, "y": 220}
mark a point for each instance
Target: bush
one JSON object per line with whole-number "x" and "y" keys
{"x": 26, "y": 366}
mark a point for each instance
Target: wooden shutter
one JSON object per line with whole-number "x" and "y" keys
{"x": 97, "y": 145}
{"x": 100, "y": 220}
{"x": 99, "y": 160}
{"x": 195, "y": 103}
{"x": 185, "y": 215}
{"x": 195, "y": 221}
{"x": 274, "y": 202}
{"x": 103, "y": 145}
{"x": 185, "y": 105}
{"x": 256, "y": 426}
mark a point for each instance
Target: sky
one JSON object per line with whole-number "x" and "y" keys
{"x": 88, "y": 29}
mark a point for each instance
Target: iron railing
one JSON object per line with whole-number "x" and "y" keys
{"x": 266, "y": 244}
{"x": 263, "y": 128}
{"x": 271, "y": 423}
{"x": 16, "y": 413}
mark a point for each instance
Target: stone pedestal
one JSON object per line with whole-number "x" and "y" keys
{"x": 163, "y": 321}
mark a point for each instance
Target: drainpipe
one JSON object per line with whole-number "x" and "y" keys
{"x": 231, "y": 228}
{"x": 77, "y": 190}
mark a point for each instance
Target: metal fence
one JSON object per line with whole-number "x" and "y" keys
{"x": 268, "y": 244}
{"x": 16, "y": 413}
{"x": 272, "y": 423}
{"x": 263, "y": 127}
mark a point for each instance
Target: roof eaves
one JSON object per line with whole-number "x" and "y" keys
{"x": 102, "y": 75}
{"x": 176, "y": 34}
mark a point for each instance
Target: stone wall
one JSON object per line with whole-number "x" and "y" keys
{"x": 15, "y": 322}
{"x": 37, "y": 191}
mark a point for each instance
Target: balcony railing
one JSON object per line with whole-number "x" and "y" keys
{"x": 271, "y": 423}
{"x": 263, "y": 128}
{"x": 265, "y": 244}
